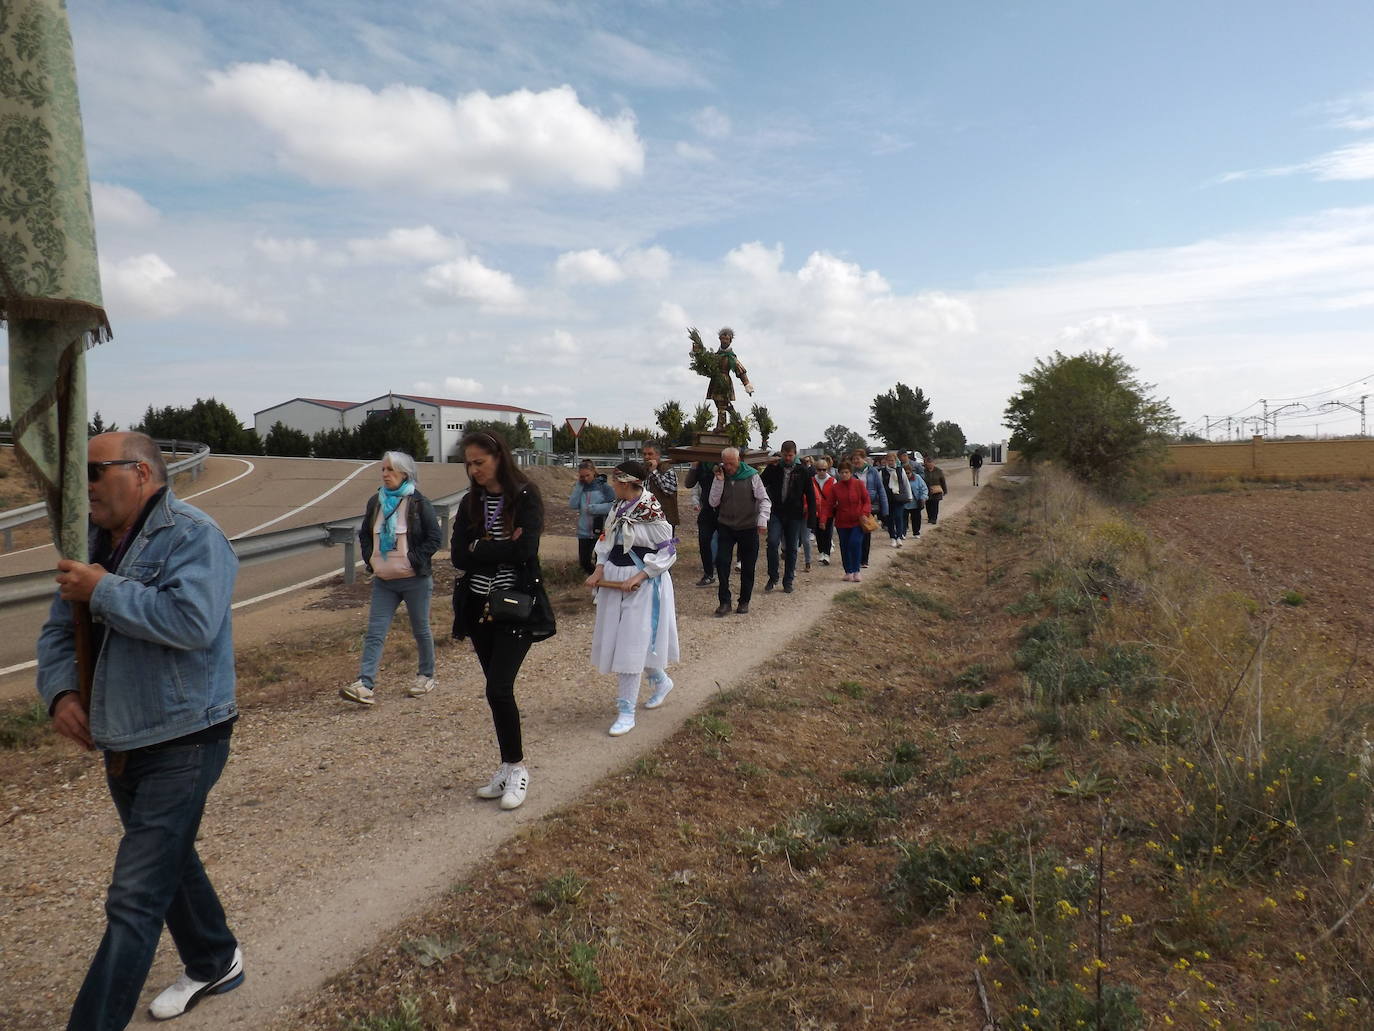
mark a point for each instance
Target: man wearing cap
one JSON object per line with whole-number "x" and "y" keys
{"x": 742, "y": 511}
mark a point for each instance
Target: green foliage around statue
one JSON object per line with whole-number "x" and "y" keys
{"x": 901, "y": 418}
{"x": 1091, "y": 414}
{"x": 207, "y": 421}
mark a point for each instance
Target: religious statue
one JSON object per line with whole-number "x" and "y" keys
{"x": 717, "y": 367}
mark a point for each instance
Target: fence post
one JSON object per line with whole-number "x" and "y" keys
{"x": 349, "y": 573}
{"x": 9, "y": 539}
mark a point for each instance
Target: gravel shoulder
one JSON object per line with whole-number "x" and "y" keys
{"x": 332, "y": 823}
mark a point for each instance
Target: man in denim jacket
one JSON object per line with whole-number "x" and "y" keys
{"x": 162, "y": 709}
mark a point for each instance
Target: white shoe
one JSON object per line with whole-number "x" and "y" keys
{"x": 661, "y": 688}
{"x": 825, "y": 560}
{"x": 357, "y": 692}
{"x": 625, "y": 720}
{"x": 517, "y": 781}
{"x": 423, "y": 685}
{"x": 894, "y": 543}
{"x": 496, "y": 787}
{"x": 184, "y": 993}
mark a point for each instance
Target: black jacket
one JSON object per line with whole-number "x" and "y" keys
{"x": 800, "y": 502}
{"x": 422, "y": 533}
{"x": 472, "y": 552}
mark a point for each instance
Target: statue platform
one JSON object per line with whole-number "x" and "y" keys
{"x": 708, "y": 446}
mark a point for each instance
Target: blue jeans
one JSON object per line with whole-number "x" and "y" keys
{"x": 415, "y": 591}
{"x": 896, "y": 520}
{"x": 160, "y": 796}
{"x": 786, "y": 532}
{"x": 851, "y": 547}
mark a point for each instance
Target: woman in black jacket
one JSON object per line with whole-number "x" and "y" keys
{"x": 496, "y": 552}
{"x": 399, "y": 537}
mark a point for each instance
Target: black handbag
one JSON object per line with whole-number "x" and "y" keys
{"x": 508, "y": 607}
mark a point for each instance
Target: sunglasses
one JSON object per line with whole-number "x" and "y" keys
{"x": 95, "y": 470}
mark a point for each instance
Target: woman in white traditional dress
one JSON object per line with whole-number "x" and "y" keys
{"x": 636, "y": 619}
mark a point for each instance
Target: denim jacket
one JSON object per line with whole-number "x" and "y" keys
{"x": 166, "y": 667}
{"x": 919, "y": 493}
{"x": 599, "y": 497}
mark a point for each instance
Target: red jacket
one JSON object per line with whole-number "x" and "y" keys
{"x": 851, "y": 502}
{"x": 825, "y": 499}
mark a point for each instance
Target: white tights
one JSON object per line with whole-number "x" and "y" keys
{"x": 629, "y": 684}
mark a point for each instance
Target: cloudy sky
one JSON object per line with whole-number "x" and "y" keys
{"x": 529, "y": 202}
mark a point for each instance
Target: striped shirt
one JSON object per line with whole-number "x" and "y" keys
{"x": 504, "y": 577}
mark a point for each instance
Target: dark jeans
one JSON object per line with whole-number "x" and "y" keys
{"x": 864, "y": 547}
{"x": 158, "y": 877}
{"x": 787, "y": 533}
{"x": 748, "y": 542}
{"x": 586, "y": 546}
{"x": 501, "y": 649}
{"x": 913, "y": 514}
{"x": 933, "y": 511}
{"x": 823, "y": 531}
{"x": 896, "y": 520}
{"x": 706, "y": 532}
{"x": 851, "y": 544}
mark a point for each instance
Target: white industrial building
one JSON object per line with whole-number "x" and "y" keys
{"x": 443, "y": 419}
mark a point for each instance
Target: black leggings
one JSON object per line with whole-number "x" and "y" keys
{"x": 501, "y": 649}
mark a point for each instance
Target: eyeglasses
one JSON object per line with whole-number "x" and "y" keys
{"x": 95, "y": 470}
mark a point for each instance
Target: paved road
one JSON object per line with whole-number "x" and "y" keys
{"x": 246, "y": 496}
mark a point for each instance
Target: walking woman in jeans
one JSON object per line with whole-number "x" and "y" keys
{"x": 495, "y": 550}
{"x": 851, "y": 505}
{"x": 399, "y": 537}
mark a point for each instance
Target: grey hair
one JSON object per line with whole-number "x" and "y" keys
{"x": 726, "y": 331}
{"x": 142, "y": 448}
{"x": 403, "y": 464}
{"x": 729, "y": 451}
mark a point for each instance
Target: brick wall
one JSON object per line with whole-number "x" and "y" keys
{"x": 1274, "y": 458}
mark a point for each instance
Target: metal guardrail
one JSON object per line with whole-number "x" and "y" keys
{"x": 194, "y": 463}
{"x": 29, "y": 587}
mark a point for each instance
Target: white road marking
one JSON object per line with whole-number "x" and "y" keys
{"x": 302, "y": 508}
{"x": 246, "y": 472}
{"x": 19, "y": 668}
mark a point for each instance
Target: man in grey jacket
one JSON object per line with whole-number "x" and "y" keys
{"x": 162, "y": 709}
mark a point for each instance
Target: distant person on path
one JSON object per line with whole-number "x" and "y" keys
{"x": 851, "y": 505}
{"x": 868, "y": 474}
{"x": 791, "y": 500}
{"x": 824, "y": 486}
{"x": 742, "y": 511}
{"x": 495, "y": 557}
{"x": 935, "y": 484}
{"x": 975, "y": 464}
{"x": 662, "y": 482}
{"x": 699, "y": 478}
{"x": 162, "y": 710}
{"x": 592, "y": 498}
{"x": 919, "y": 493}
{"x": 898, "y": 489}
{"x": 636, "y": 617}
{"x": 398, "y": 536}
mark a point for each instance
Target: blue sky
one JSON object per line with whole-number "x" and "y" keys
{"x": 525, "y": 201}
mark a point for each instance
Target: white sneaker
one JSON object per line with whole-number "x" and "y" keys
{"x": 496, "y": 787}
{"x": 661, "y": 688}
{"x": 517, "y": 781}
{"x": 825, "y": 560}
{"x": 423, "y": 685}
{"x": 184, "y": 993}
{"x": 357, "y": 692}
{"x": 894, "y": 543}
{"x": 625, "y": 720}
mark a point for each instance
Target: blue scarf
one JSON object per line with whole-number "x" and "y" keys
{"x": 390, "y": 501}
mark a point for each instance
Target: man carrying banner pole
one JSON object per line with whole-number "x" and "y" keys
{"x": 151, "y": 682}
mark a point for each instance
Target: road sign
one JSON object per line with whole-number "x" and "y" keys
{"x": 575, "y": 424}
{"x": 630, "y": 445}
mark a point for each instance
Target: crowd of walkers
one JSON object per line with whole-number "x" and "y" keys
{"x": 156, "y": 604}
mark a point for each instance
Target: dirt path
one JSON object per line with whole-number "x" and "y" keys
{"x": 333, "y": 823}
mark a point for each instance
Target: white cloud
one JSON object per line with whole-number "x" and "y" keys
{"x": 146, "y": 286}
{"x": 693, "y": 152}
{"x": 587, "y": 267}
{"x": 467, "y": 279}
{"x": 1355, "y": 112}
{"x": 422, "y": 243}
{"x": 1351, "y": 162}
{"x": 333, "y": 133}
{"x": 119, "y": 205}
{"x": 629, "y": 61}
{"x": 1110, "y": 332}
{"x": 464, "y": 387}
{"x": 712, "y": 122}
{"x": 287, "y": 250}
{"x": 653, "y": 263}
